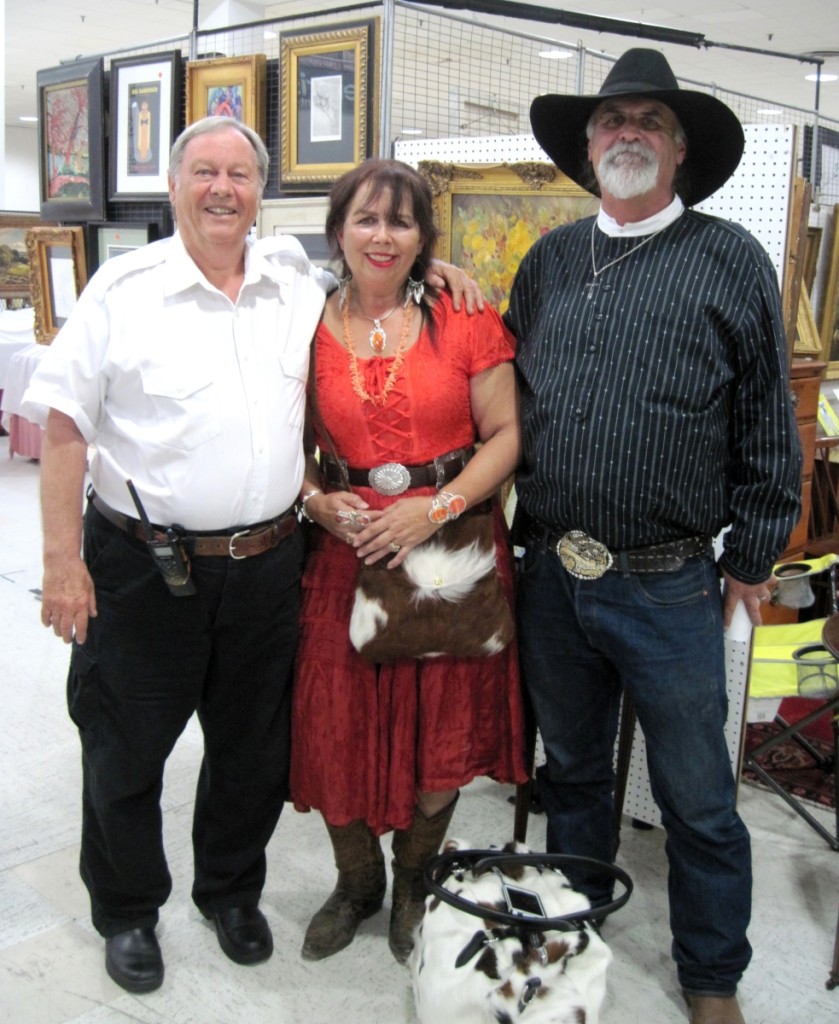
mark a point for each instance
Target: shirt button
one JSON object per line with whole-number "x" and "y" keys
{"x": 599, "y": 316}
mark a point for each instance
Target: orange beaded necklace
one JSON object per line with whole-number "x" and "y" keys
{"x": 398, "y": 357}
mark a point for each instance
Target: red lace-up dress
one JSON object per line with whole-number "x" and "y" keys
{"x": 366, "y": 738}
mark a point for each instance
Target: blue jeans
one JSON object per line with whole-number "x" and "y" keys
{"x": 660, "y": 636}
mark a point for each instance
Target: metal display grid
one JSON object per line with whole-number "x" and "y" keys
{"x": 450, "y": 77}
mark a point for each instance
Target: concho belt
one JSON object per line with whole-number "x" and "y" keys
{"x": 390, "y": 479}
{"x": 583, "y": 556}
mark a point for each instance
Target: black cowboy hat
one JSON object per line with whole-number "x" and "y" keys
{"x": 714, "y": 135}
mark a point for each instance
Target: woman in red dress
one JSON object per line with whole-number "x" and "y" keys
{"x": 401, "y": 377}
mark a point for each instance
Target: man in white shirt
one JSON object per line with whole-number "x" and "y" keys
{"x": 185, "y": 364}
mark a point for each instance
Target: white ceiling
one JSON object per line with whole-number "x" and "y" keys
{"x": 43, "y": 33}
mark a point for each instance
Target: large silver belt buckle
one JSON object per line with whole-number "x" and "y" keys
{"x": 583, "y": 556}
{"x": 389, "y": 479}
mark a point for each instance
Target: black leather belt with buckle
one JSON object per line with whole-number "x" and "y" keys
{"x": 236, "y": 543}
{"x": 587, "y": 559}
{"x": 393, "y": 478}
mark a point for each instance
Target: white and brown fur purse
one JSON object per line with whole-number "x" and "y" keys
{"x": 465, "y": 970}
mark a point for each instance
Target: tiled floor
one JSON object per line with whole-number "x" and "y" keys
{"x": 51, "y": 962}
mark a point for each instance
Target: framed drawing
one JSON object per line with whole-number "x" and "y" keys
{"x": 70, "y": 141}
{"x": 303, "y": 217}
{"x": 14, "y": 256}
{"x": 227, "y": 87}
{"x": 830, "y": 306}
{"x": 57, "y": 274}
{"x": 327, "y": 103}
{"x": 145, "y": 104}
{"x": 104, "y": 241}
{"x": 489, "y": 215}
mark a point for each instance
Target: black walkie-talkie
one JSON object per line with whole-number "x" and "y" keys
{"x": 168, "y": 554}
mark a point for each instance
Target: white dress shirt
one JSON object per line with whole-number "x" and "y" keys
{"x": 197, "y": 399}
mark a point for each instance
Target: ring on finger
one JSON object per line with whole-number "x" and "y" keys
{"x": 395, "y": 548}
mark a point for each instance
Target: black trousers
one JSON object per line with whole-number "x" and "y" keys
{"x": 149, "y": 662}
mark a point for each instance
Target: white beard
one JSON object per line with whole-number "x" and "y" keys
{"x": 627, "y": 182}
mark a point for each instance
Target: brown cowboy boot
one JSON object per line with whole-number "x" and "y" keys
{"x": 714, "y": 1009}
{"x": 358, "y": 894}
{"x": 412, "y": 849}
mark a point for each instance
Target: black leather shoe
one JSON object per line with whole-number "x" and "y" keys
{"x": 243, "y": 934}
{"x": 134, "y": 961}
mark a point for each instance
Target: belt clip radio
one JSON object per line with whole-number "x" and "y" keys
{"x": 169, "y": 555}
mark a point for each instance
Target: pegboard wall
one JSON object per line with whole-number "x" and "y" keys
{"x": 757, "y": 195}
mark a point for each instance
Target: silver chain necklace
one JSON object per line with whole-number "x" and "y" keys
{"x": 593, "y": 284}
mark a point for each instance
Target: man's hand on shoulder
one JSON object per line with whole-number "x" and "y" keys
{"x": 461, "y": 286}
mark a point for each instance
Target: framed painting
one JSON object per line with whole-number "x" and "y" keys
{"x": 57, "y": 273}
{"x": 227, "y": 87}
{"x": 14, "y": 256}
{"x": 303, "y": 217}
{"x": 145, "y": 105}
{"x": 489, "y": 215}
{"x": 830, "y": 306}
{"x": 327, "y": 103}
{"x": 71, "y": 155}
{"x": 104, "y": 241}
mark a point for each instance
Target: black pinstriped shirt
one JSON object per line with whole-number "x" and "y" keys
{"x": 659, "y": 407}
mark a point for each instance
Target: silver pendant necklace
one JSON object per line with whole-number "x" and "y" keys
{"x": 378, "y": 335}
{"x": 596, "y": 273}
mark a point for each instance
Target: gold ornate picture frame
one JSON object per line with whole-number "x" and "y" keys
{"x": 829, "y": 327}
{"x": 58, "y": 274}
{"x": 489, "y": 215}
{"x": 227, "y": 87}
{"x": 328, "y": 103}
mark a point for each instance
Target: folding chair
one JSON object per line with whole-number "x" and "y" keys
{"x": 792, "y": 661}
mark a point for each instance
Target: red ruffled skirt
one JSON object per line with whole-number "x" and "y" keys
{"x": 367, "y": 738}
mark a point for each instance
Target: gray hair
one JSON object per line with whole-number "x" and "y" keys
{"x": 209, "y": 126}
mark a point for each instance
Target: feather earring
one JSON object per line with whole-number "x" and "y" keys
{"x": 414, "y": 291}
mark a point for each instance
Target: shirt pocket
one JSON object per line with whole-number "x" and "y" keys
{"x": 184, "y": 403}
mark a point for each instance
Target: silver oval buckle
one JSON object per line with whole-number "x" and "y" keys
{"x": 389, "y": 479}
{"x": 583, "y": 556}
{"x": 230, "y": 550}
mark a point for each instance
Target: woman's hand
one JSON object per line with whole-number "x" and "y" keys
{"x": 394, "y": 531}
{"x": 342, "y": 513}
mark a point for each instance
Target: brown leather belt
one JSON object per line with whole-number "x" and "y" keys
{"x": 393, "y": 478}
{"x": 236, "y": 543}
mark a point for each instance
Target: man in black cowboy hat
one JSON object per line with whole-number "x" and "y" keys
{"x": 656, "y": 412}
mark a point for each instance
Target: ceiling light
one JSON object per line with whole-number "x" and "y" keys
{"x": 411, "y": 131}
{"x": 27, "y": 117}
{"x": 822, "y": 77}
{"x": 556, "y": 54}
{"x": 269, "y": 35}
{"x": 774, "y": 112}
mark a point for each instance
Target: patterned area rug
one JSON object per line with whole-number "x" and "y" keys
{"x": 792, "y": 766}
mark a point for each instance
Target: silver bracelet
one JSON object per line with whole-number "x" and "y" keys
{"x": 303, "y": 499}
